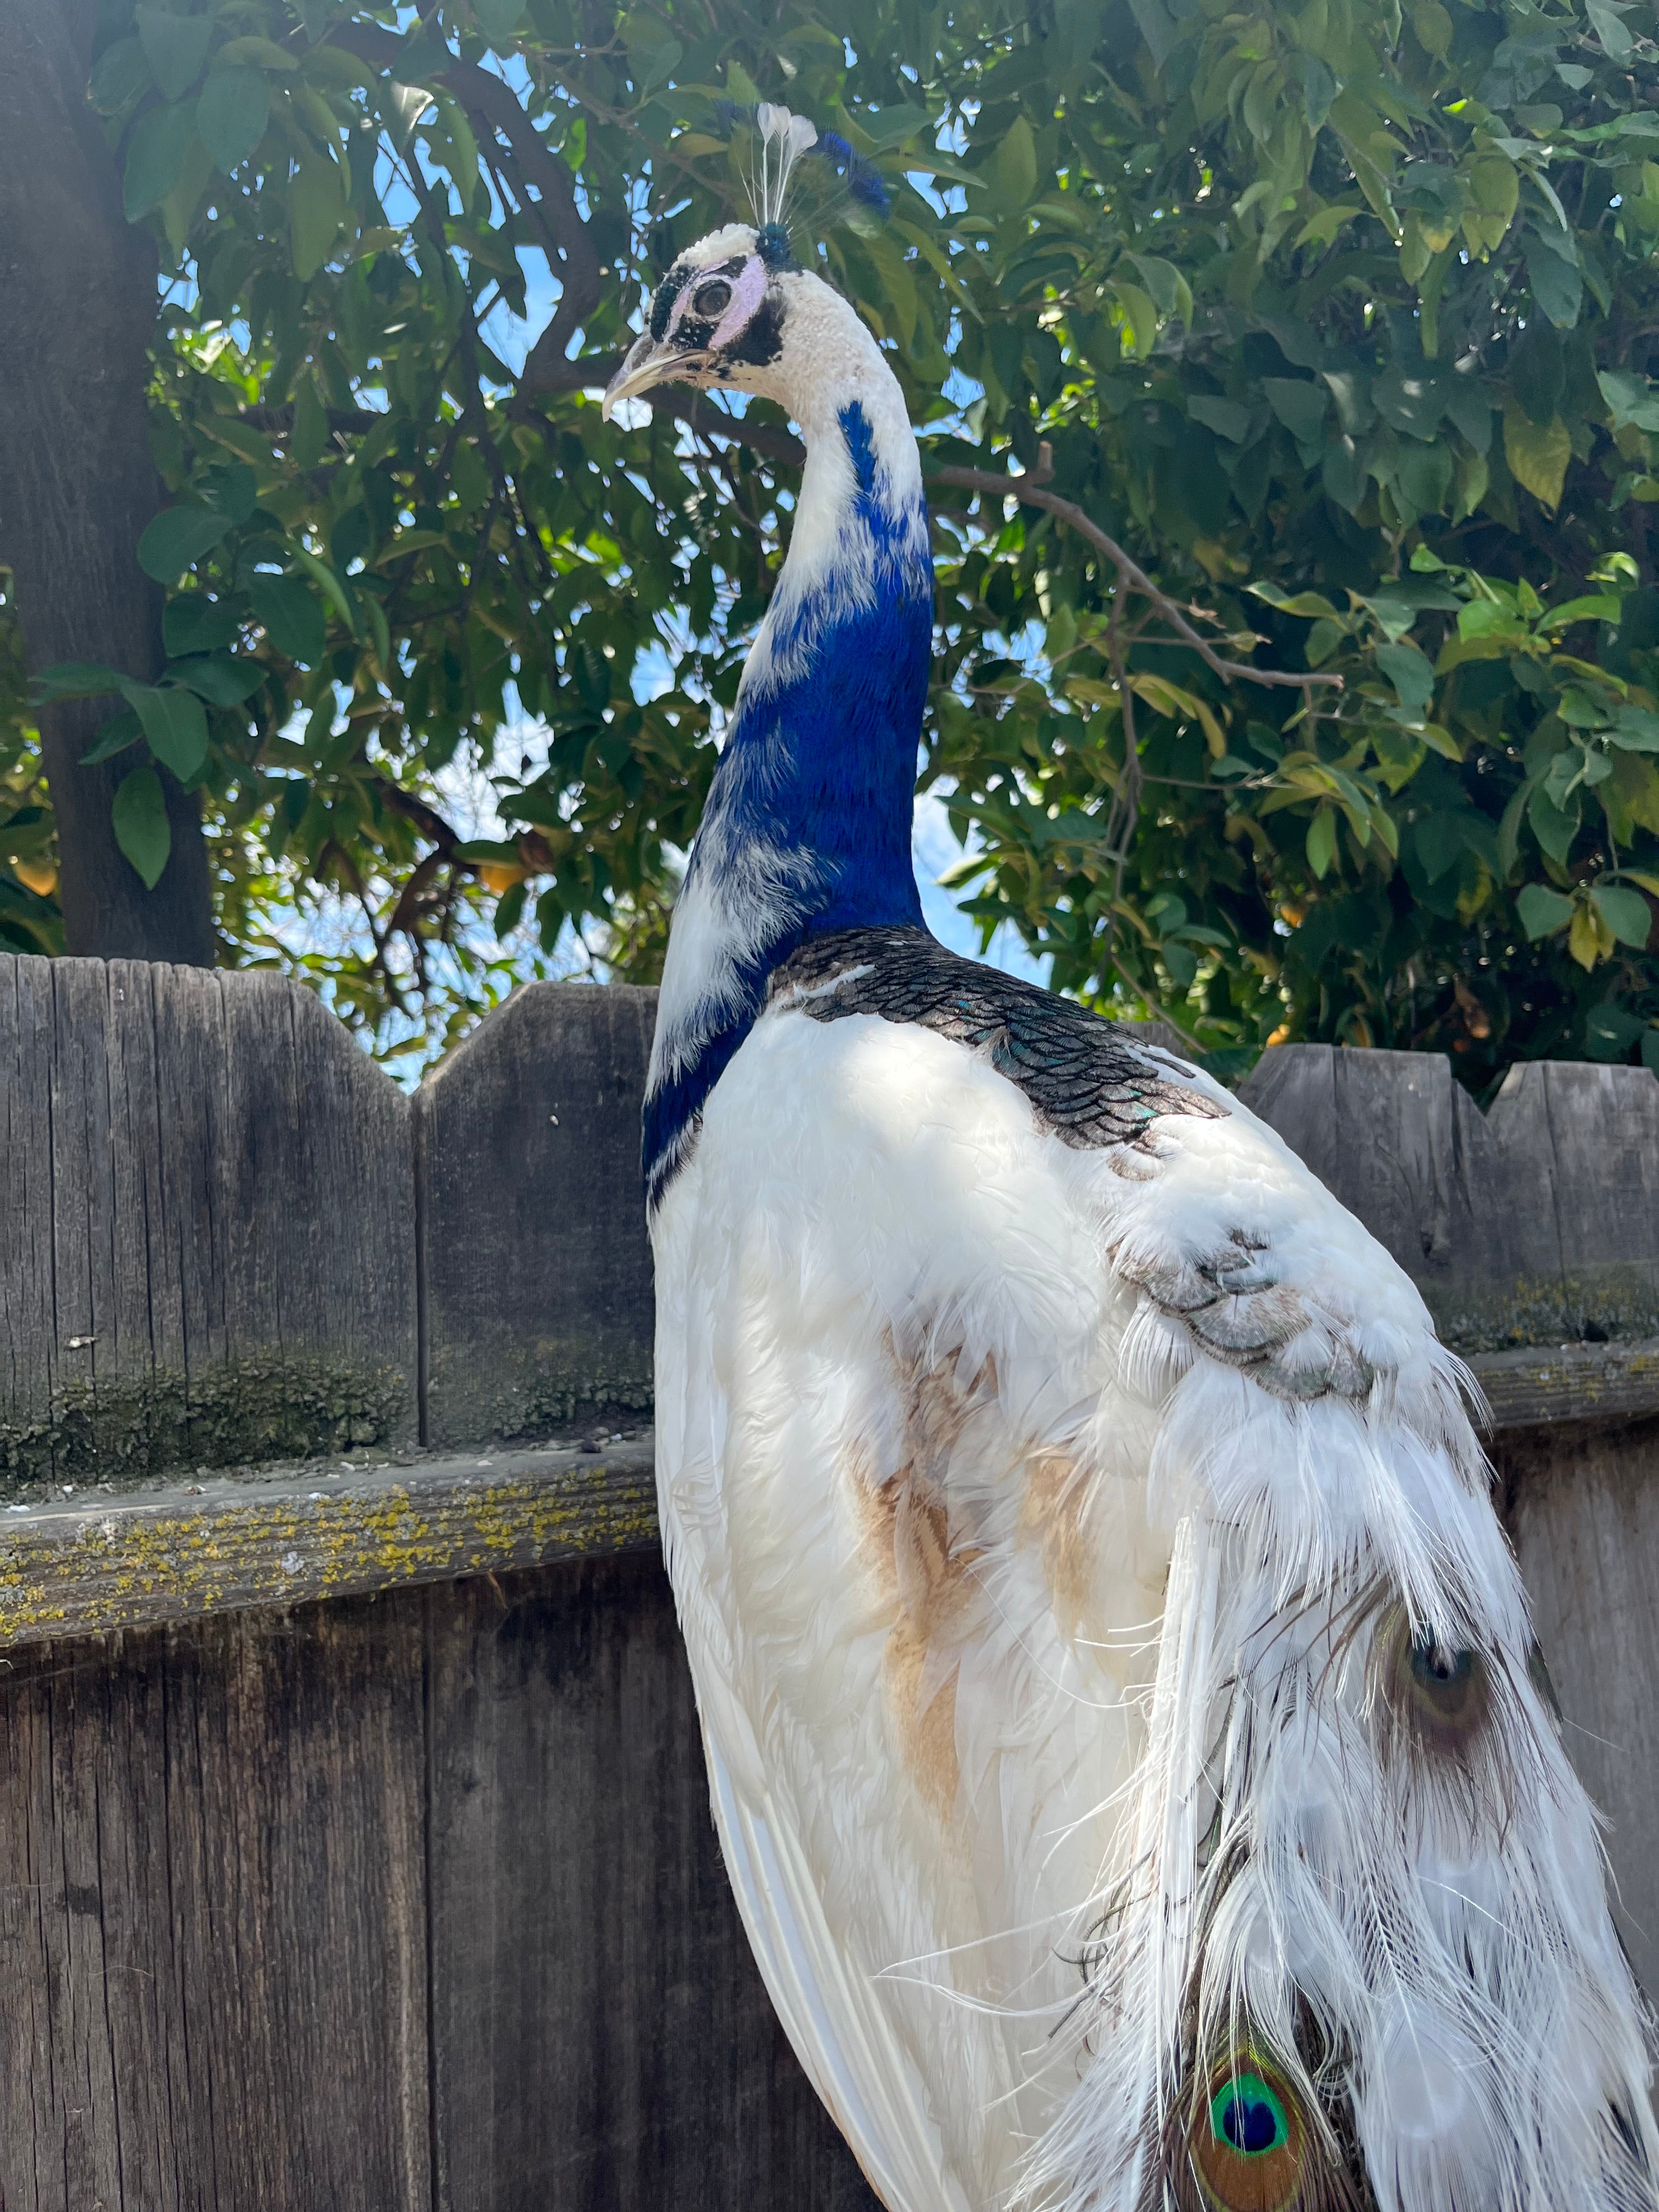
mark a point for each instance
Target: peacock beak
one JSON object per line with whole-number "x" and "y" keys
{"x": 649, "y": 362}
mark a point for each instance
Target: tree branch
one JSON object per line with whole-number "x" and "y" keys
{"x": 1032, "y": 494}
{"x": 489, "y": 99}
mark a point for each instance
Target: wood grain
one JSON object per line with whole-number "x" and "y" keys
{"x": 537, "y": 1270}
{"x": 1582, "y": 1508}
{"x": 81, "y": 1564}
{"x": 76, "y": 1567}
{"x": 207, "y": 1225}
{"x": 601, "y": 2037}
{"x": 1541, "y": 1388}
{"x": 1577, "y": 1148}
{"x": 1537, "y": 1223}
{"x": 213, "y": 1916}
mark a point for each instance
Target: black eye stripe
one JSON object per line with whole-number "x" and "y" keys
{"x": 663, "y": 304}
{"x": 760, "y": 340}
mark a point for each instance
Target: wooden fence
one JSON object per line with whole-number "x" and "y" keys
{"x": 354, "y": 1849}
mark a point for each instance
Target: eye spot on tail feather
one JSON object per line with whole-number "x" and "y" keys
{"x": 1439, "y": 1693}
{"x": 1249, "y": 2146}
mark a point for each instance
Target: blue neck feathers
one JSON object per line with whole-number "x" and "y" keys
{"x": 807, "y": 828}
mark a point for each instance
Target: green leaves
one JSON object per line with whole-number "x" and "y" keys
{"x": 156, "y": 155}
{"x": 1541, "y": 910}
{"x": 1538, "y": 454}
{"x": 1625, "y": 912}
{"x": 1410, "y": 673}
{"x": 1558, "y": 283}
{"x": 316, "y": 213}
{"x": 1632, "y": 401}
{"x": 178, "y": 539}
{"x": 1321, "y": 842}
{"x": 1261, "y": 290}
{"x": 1225, "y": 417}
{"x": 232, "y": 114}
{"x": 175, "y": 723}
{"x": 289, "y": 616}
{"x": 1015, "y": 164}
{"x": 498, "y": 18}
{"x": 1138, "y": 319}
{"x": 139, "y": 815}
{"x": 449, "y": 135}
{"x": 1607, "y": 21}
{"x": 120, "y": 76}
{"x": 175, "y": 46}
{"x": 1300, "y": 406}
{"x": 221, "y": 683}
{"x": 77, "y": 679}
{"x": 172, "y": 719}
{"x": 196, "y": 623}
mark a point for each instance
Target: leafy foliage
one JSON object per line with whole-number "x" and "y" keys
{"x": 1338, "y": 318}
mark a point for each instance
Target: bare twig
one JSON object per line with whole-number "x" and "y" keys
{"x": 565, "y": 240}
{"x": 278, "y": 422}
{"x": 1031, "y": 491}
{"x": 403, "y": 918}
{"x": 333, "y": 849}
{"x": 1124, "y": 812}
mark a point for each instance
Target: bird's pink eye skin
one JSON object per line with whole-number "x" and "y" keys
{"x": 742, "y": 294}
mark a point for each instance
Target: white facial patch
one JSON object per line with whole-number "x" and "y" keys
{"x": 748, "y": 290}
{"x": 746, "y": 295}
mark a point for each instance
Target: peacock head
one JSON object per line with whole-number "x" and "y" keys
{"x": 728, "y": 313}
{"x": 737, "y": 313}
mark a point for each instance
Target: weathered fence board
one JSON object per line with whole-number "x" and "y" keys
{"x": 586, "y": 1959}
{"x": 213, "y": 1975}
{"x": 214, "y": 1925}
{"x": 1543, "y": 1387}
{"x": 207, "y": 1247}
{"x": 1584, "y": 1510}
{"x": 1532, "y": 1223}
{"x": 537, "y": 1270}
{"x": 73, "y": 1566}
{"x": 1398, "y": 1140}
{"x": 1578, "y": 1149}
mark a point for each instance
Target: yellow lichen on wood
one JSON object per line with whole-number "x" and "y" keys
{"x": 159, "y": 1556}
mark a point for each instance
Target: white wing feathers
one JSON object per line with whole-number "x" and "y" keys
{"x": 832, "y": 2014}
{"x": 941, "y": 1398}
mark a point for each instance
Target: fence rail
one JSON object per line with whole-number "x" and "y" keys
{"x": 353, "y": 1841}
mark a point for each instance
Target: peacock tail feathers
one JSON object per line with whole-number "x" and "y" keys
{"x": 1362, "y": 1880}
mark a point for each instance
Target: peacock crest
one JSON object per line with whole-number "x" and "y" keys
{"x": 798, "y": 180}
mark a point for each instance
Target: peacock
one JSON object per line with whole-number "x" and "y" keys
{"x": 1125, "y": 1733}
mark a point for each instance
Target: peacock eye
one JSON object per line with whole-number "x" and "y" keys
{"x": 1439, "y": 1691}
{"x": 711, "y": 300}
{"x": 1248, "y": 2143}
{"x": 1248, "y": 2118}
{"x": 1443, "y": 1676}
